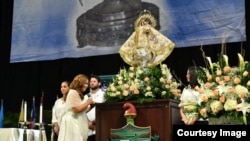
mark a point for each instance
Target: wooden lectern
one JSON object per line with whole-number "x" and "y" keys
{"x": 161, "y": 115}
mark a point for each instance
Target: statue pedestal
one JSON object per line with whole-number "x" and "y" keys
{"x": 161, "y": 115}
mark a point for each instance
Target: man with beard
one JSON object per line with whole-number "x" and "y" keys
{"x": 97, "y": 94}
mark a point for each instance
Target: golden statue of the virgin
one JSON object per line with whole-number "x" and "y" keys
{"x": 146, "y": 46}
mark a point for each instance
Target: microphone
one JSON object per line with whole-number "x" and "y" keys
{"x": 91, "y": 105}
{"x": 89, "y": 95}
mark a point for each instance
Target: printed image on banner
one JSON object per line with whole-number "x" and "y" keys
{"x": 49, "y": 30}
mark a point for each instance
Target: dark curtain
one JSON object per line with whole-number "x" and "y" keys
{"x": 25, "y": 80}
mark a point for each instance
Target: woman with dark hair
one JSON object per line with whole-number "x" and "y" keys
{"x": 189, "y": 98}
{"x": 74, "y": 123}
{"x": 58, "y": 108}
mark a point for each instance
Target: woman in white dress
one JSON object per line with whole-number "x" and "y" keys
{"x": 58, "y": 108}
{"x": 74, "y": 124}
{"x": 189, "y": 98}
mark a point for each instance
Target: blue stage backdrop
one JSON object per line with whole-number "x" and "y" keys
{"x": 54, "y": 29}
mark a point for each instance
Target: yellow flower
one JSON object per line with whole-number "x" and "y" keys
{"x": 245, "y": 73}
{"x": 167, "y": 86}
{"x": 218, "y": 72}
{"x": 113, "y": 88}
{"x": 162, "y": 79}
{"x": 148, "y": 88}
{"x": 118, "y": 92}
{"x": 164, "y": 66}
{"x": 120, "y": 82}
{"x": 239, "y": 89}
{"x": 125, "y": 86}
{"x": 216, "y": 106}
{"x": 209, "y": 77}
{"x": 131, "y": 68}
{"x": 230, "y": 104}
{"x": 248, "y": 83}
{"x": 131, "y": 75}
{"x": 140, "y": 71}
{"x": 163, "y": 72}
{"x": 125, "y": 93}
{"x": 146, "y": 79}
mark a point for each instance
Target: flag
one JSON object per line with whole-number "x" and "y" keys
{"x": 21, "y": 116}
{"x": 33, "y": 115}
{"x": 1, "y": 115}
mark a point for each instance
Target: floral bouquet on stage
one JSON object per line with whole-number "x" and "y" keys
{"x": 143, "y": 85}
{"x": 225, "y": 90}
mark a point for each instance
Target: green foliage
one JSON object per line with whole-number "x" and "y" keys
{"x": 11, "y": 120}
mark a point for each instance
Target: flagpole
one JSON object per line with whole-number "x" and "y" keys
{"x": 41, "y": 114}
{"x": 25, "y": 111}
{"x": 25, "y": 120}
{"x": 41, "y": 118}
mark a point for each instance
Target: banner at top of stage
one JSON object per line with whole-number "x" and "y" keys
{"x": 48, "y": 30}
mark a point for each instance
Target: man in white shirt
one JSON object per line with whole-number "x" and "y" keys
{"x": 97, "y": 95}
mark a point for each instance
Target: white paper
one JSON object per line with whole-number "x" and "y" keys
{"x": 91, "y": 114}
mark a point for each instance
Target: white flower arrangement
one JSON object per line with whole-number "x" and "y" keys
{"x": 224, "y": 90}
{"x": 143, "y": 85}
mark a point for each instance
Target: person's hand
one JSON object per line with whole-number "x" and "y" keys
{"x": 191, "y": 121}
{"x": 91, "y": 125}
{"x": 185, "y": 120}
{"x": 90, "y": 100}
{"x": 56, "y": 129}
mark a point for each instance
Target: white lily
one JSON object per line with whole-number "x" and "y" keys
{"x": 226, "y": 59}
{"x": 241, "y": 62}
{"x": 210, "y": 63}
